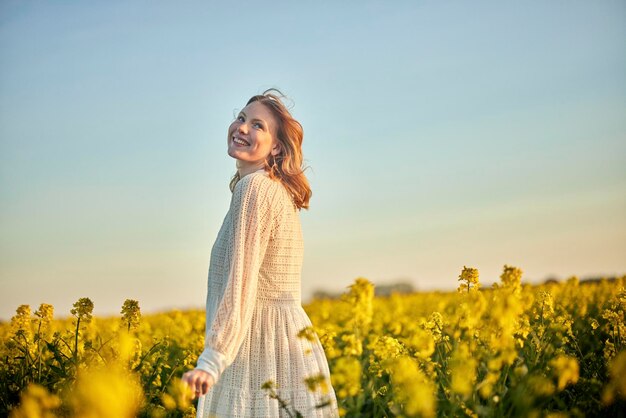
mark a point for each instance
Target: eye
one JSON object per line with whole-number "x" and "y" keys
{"x": 259, "y": 124}
{"x": 240, "y": 118}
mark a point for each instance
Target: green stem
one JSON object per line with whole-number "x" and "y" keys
{"x": 76, "y": 341}
{"x": 146, "y": 355}
{"x": 39, "y": 352}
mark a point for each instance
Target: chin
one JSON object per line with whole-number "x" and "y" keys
{"x": 233, "y": 153}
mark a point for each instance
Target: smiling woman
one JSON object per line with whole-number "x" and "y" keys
{"x": 264, "y": 117}
{"x": 250, "y": 138}
{"x": 253, "y": 307}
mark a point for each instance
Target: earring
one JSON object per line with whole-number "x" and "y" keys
{"x": 274, "y": 165}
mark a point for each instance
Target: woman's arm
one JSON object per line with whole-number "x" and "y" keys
{"x": 252, "y": 222}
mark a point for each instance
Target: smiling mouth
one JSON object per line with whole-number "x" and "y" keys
{"x": 239, "y": 141}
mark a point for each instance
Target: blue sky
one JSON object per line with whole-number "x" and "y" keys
{"x": 438, "y": 135}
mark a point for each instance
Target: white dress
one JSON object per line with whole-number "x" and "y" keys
{"x": 254, "y": 311}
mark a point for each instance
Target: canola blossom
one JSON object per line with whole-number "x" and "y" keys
{"x": 513, "y": 349}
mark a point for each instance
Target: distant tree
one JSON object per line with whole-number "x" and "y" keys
{"x": 323, "y": 294}
{"x": 388, "y": 289}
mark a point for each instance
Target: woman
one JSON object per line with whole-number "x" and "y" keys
{"x": 253, "y": 305}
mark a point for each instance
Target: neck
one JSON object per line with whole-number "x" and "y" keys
{"x": 245, "y": 169}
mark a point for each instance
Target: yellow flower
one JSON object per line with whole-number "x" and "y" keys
{"x": 106, "y": 392}
{"x": 470, "y": 278}
{"x": 412, "y": 390}
{"x": 21, "y": 328}
{"x": 360, "y": 300}
{"x": 383, "y": 348}
{"x": 420, "y": 343}
{"x": 511, "y": 278}
{"x": 521, "y": 371}
{"x": 435, "y": 325}
{"x": 129, "y": 350}
{"x": 317, "y": 381}
{"x": 463, "y": 368}
{"x": 269, "y": 384}
{"x": 330, "y": 348}
{"x": 487, "y": 384}
{"x": 565, "y": 370}
{"x": 21, "y": 320}
{"x": 45, "y": 312}
{"x": 307, "y": 333}
{"x": 83, "y": 308}
{"x": 346, "y": 377}
{"x": 131, "y": 314}
{"x": 546, "y": 306}
{"x": 352, "y": 345}
{"x": 541, "y": 386}
{"x": 617, "y": 383}
{"x": 36, "y": 402}
{"x": 178, "y": 395}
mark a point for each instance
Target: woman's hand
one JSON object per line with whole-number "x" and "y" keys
{"x": 199, "y": 381}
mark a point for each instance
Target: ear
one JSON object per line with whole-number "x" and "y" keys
{"x": 276, "y": 148}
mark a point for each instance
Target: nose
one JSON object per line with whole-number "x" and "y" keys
{"x": 243, "y": 127}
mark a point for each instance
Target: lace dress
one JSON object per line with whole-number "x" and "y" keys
{"x": 254, "y": 311}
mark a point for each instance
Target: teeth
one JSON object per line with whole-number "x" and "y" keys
{"x": 240, "y": 141}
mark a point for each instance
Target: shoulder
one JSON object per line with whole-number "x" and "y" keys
{"x": 256, "y": 182}
{"x": 259, "y": 186}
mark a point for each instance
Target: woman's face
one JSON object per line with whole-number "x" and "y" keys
{"x": 251, "y": 136}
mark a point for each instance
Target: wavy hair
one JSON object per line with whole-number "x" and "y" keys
{"x": 287, "y": 166}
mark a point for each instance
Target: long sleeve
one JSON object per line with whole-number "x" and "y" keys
{"x": 252, "y": 223}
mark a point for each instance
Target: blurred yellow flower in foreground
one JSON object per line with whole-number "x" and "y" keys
{"x": 565, "y": 369}
{"x": 346, "y": 377}
{"x": 413, "y": 391}
{"x": 463, "y": 369}
{"x": 617, "y": 385}
{"x": 106, "y": 392}
{"x": 36, "y": 402}
{"x": 178, "y": 396}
